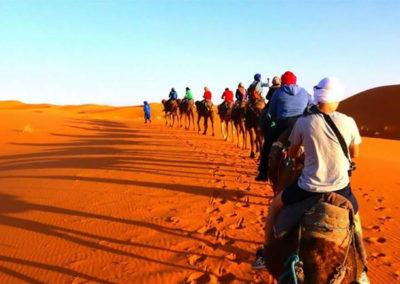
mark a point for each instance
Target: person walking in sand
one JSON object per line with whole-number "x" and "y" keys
{"x": 147, "y": 112}
{"x": 326, "y": 167}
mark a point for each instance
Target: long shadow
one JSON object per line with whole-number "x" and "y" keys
{"x": 74, "y": 236}
{"x": 44, "y": 266}
{"x": 234, "y": 195}
{"x": 11, "y": 204}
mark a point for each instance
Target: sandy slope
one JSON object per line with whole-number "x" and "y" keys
{"x": 376, "y": 111}
{"x": 90, "y": 194}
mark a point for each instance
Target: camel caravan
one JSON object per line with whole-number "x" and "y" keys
{"x": 313, "y": 232}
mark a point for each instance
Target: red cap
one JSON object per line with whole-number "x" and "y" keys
{"x": 288, "y": 78}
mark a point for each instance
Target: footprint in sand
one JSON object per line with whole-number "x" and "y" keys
{"x": 377, "y": 255}
{"x": 381, "y": 208}
{"x": 375, "y": 228}
{"x": 196, "y": 258}
{"x": 373, "y": 240}
{"x": 197, "y": 277}
{"x": 211, "y": 210}
{"x": 384, "y": 219}
{"x": 238, "y": 225}
{"x": 232, "y": 214}
{"x": 231, "y": 257}
{"x": 207, "y": 230}
{"x": 217, "y": 219}
{"x": 173, "y": 220}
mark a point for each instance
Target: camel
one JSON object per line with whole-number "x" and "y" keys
{"x": 253, "y": 110}
{"x": 237, "y": 116}
{"x": 171, "y": 111}
{"x": 206, "y": 113}
{"x": 186, "y": 110}
{"x": 320, "y": 256}
{"x": 319, "y": 259}
{"x": 282, "y": 171}
{"x": 225, "y": 112}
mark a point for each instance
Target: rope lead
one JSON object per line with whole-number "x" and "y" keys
{"x": 291, "y": 263}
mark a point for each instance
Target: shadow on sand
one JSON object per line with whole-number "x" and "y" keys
{"x": 107, "y": 147}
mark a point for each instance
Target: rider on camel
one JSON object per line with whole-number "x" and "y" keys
{"x": 287, "y": 104}
{"x": 227, "y": 96}
{"x": 255, "y": 89}
{"x": 276, "y": 84}
{"x": 326, "y": 168}
{"x": 207, "y": 98}
{"x": 188, "y": 94}
{"x": 240, "y": 94}
{"x": 173, "y": 95}
{"x": 265, "y": 119}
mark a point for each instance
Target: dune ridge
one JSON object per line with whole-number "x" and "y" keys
{"x": 376, "y": 111}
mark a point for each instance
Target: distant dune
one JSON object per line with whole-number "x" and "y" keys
{"x": 376, "y": 111}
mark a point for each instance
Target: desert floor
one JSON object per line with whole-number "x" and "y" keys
{"x": 90, "y": 194}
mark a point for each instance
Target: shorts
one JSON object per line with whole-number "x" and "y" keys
{"x": 293, "y": 193}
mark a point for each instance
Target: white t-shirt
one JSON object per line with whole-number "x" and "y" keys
{"x": 325, "y": 166}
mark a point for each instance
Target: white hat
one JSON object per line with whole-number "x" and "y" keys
{"x": 329, "y": 90}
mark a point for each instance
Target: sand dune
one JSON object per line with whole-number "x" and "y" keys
{"x": 89, "y": 194}
{"x": 376, "y": 111}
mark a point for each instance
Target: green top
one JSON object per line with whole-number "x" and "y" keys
{"x": 189, "y": 95}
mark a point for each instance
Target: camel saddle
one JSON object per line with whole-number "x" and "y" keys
{"x": 327, "y": 216}
{"x": 256, "y": 105}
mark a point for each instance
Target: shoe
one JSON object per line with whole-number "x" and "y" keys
{"x": 261, "y": 177}
{"x": 259, "y": 263}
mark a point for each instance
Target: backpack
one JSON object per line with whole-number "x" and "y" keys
{"x": 252, "y": 92}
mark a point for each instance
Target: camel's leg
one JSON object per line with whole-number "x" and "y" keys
{"x": 251, "y": 133}
{"x": 233, "y": 137}
{"x": 212, "y": 124}
{"x": 193, "y": 120}
{"x": 237, "y": 135}
{"x": 205, "y": 125}
{"x": 244, "y": 135}
{"x": 198, "y": 123}
{"x": 227, "y": 130}
{"x": 222, "y": 129}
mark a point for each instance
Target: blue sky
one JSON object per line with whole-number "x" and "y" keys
{"x": 123, "y": 52}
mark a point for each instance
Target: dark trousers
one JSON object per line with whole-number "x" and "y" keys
{"x": 271, "y": 136}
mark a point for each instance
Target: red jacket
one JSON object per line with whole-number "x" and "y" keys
{"x": 228, "y": 96}
{"x": 207, "y": 95}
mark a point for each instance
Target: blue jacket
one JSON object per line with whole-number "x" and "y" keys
{"x": 288, "y": 101}
{"x": 173, "y": 95}
{"x": 146, "y": 109}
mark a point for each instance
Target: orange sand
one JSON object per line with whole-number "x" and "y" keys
{"x": 89, "y": 194}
